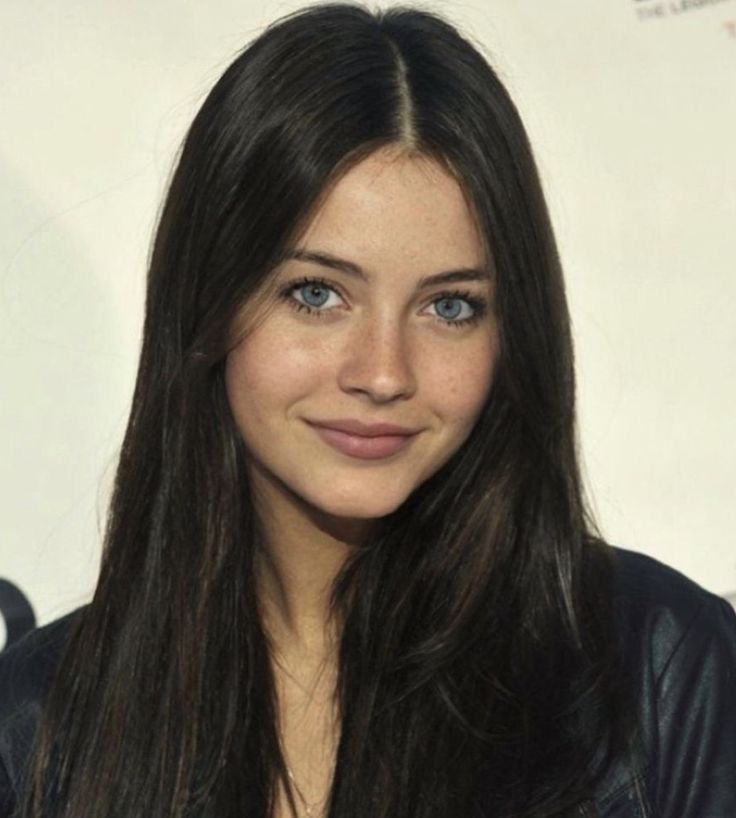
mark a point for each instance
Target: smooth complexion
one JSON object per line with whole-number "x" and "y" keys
{"x": 376, "y": 346}
{"x": 356, "y": 332}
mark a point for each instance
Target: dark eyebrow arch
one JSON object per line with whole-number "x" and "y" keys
{"x": 352, "y": 269}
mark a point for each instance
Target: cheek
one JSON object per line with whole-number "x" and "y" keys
{"x": 461, "y": 383}
{"x": 266, "y": 373}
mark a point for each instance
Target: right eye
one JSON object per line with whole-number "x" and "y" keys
{"x": 310, "y": 295}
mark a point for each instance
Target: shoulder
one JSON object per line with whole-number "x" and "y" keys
{"x": 27, "y": 670}
{"x": 644, "y": 580}
{"x": 661, "y": 612}
{"x": 678, "y": 648}
{"x": 28, "y": 665}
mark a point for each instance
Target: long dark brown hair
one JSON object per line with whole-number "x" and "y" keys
{"x": 477, "y": 665}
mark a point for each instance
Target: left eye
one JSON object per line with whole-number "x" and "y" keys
{"x": 451, "y": 308}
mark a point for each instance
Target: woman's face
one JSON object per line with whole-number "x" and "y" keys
{"x": 356, "y": 334}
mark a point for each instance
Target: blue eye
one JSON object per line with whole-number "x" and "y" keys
{"x": 314, "y": 294}
{"x": 313, "y": 291}
{"x": 450, "y": 308}
{"x": 454, "y": 309}
{"x": 451, "y": 312}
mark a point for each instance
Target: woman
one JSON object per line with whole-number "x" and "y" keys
{"x": 348, "y": 570}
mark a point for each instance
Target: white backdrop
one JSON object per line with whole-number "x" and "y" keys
{"x": 631, "y": 107}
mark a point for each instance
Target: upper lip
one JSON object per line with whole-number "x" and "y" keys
{"x": 357, "y": 427}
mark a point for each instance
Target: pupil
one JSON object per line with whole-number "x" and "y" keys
{"x": 455, "y": 312}
{"x": 315, "y": 295}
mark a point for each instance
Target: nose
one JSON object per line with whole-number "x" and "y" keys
{"x": 377, "y": 362}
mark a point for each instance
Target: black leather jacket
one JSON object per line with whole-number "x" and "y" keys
{"x": 680, "y": 647}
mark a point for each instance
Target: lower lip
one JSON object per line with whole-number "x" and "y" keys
{"x": 367, "y": 448}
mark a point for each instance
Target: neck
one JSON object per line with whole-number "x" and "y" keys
{"x": 295, "y": 583}
{"x": 303, "y": 552}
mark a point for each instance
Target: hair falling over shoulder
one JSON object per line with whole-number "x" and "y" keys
{"x": 477, "y": 664}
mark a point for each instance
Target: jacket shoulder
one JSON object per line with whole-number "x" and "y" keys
{"x": 27, "y": 669}
{"x": 28, "y": 665}
{"x": 660, "y": 610}
{"x": 678, "y": 645}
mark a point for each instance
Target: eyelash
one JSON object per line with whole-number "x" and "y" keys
{"x": 478, "y": 304}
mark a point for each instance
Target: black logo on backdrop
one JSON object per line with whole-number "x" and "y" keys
{"x": 16, "y": 612}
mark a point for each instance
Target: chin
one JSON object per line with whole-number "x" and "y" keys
{"x": 360, "y": 510}
{"x": 360, "y": 506}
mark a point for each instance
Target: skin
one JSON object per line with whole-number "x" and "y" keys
{"x": 379, "y": 352}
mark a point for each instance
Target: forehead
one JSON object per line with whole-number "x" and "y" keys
{"x": 398, "y": 210}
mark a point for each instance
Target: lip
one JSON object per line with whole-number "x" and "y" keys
{"x": 367, "y": 447}
{"x": 357, "y": 427}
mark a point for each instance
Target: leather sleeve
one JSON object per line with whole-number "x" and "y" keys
{"x": 7, "y": 794}
{"x": 26, "y": 670}
{"x": 696, "y": 702}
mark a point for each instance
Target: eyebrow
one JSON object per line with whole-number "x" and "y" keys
{"x": 353, "y": 269}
